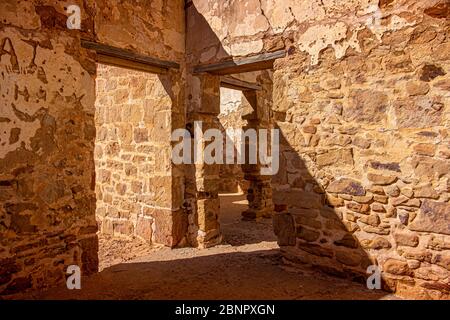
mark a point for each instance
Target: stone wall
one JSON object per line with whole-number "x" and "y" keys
{"x": 132, "y": 154}
{"x": 47, "y": 129}
{"x": 47, "y": 136}
{"x": 155, "y": 28}
{"x": 362, "y": 102}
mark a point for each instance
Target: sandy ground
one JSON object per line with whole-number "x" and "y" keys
{"x": 247, "y": 266}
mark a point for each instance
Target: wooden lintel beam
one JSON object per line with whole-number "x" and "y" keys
{"x": 129, "y": 64}
{"x": 237, "y": 84}
{"x": 126, "y": 58}
{"x": 254, "y": 63}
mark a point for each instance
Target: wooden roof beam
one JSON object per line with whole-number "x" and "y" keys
{"x": 237, "y": 84}
{"x": 128, "y": 59}
{"x": 253, "y": 63}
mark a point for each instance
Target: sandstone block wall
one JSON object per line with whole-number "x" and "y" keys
{"x": 132, "y": 154}
{"x": 362, "y": 102}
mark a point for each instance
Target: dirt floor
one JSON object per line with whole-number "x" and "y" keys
{"x": 247, "y": 266}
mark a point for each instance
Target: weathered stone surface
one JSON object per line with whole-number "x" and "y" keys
{"x": 309, "y": 222}
{"x": 316, "y": 249}
{"x": 403, "y": 217}
{"x": 439, "y": 243}
{"x": 397, "y": 267}
{"x": 89, "y": 255}
{"x": 417, "y": 88}
{"x": 382, "y": 180}
{"x": 391, "y": 166}
{"x": 416, "y": 114}
{"x": 47, "y": 94}
{"x": 407, "y": 192}
{"x": 335, "y": 201}
{"x": 366, "y": 106}
{"x": 144, "y": 228}
{"x": 132, "y": 149}
{"x": 426, "y": 191}
{"x": 417, "y": 254}
{"x": 372, "y": 220}
{"x": 363, "y": 199}
{"x": 381, "y": 198}
{"x": 413, "y": 264}
{"x": 425, "y": 149}
{"x": 440, "y": 10}
{"x": 284, "y": 228}
{"x": 307, "y": 234}
{"x": 309, "y": 129}
{"x": 207, "y": 211}
{"x": 377, "y": 243}
{"x": 18, "y": 285}
{"x": 399, "y": 200}
{"x": 430, "y": 71}
{"x": 343, "y": 156}
{"x": 172, "y": 227}
{"x": 347, "y": 186}
{"x": 442, "y": 259}
{"x": 298, "y": 199}
{"x": 349, "y": 258}
{"x": 347, "y": 241}
{"x": 330, "y": 214}
{"x": 8, "y": 267}
{"x": 432, "y": 217}
{"x": 403, "y": 238}
{"x": 361, "y": 142}
{"x": 376, "y": 207}
{"x": 392, "y": 191}
{"x": 376, "y": 230}
{"x": 415, "y": 203}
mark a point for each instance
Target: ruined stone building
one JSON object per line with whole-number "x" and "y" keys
{"x": 359, "y": 90}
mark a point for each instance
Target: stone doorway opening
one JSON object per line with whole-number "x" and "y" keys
{"x": 232, "y": 185}
{"x": 245, "y": 195}
{"x": 131, "y": 160}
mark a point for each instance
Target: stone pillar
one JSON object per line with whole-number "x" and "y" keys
{"x": 259, "y": 193}
{"x": 202, "y": 179}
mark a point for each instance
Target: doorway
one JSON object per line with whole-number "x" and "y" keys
{"x": 133, "y": 183}
{"x": 245, "y": 198}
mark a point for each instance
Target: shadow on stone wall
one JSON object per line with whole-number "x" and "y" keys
{"x": 309, "y": 228}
